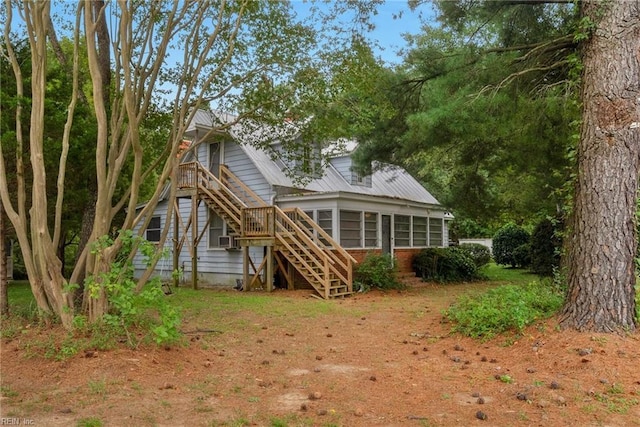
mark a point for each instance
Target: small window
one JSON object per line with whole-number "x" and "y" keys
{"x": 402, "y": 230}
{"x": 153, "y": 229}
{"x": 308, "y": 160}
{"x": 370, "y": 229}
{"x": 325, "y": 221}
{"x": 420, "y": 231}
{"x": 350, "y": 229}
{"x": 435, "y": 231}
{"x": 359, "y": 179}
{"x": 216, "y": 229}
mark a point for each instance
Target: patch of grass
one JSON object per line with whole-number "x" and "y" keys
{"x": 6, "y": 391}
{"x": 22, "y": 306}
{"x": 502, "y": 309}
{"x": 198, "y": 306}
{"x": 237, "y": 422}
{"x": 89, "y": 422}
{"x": 493, "y": 272}
{"x": 98, "y": 387}
{"x": 616, "y": 404}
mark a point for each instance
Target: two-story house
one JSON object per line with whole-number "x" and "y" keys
{"x": 242, "y": 219}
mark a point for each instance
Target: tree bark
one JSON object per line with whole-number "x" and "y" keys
{"x": 602, "y": 245}
{"x": 4, "y": 298}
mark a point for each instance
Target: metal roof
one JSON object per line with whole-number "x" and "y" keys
{"x": 387, "y": 181}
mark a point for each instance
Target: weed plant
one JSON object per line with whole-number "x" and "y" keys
{"x": 505, "y": 308}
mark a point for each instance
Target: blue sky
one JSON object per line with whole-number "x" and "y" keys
{"x": 389, "y": 31}
{"x": 394, "y": 18}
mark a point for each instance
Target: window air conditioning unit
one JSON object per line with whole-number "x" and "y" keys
{"x": 228, "y": 242}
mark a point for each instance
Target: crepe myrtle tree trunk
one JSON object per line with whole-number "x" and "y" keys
{"x": 602, "y": 245}
{"x": 4, "y": 299}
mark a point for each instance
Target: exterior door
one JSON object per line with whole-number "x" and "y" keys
{"x": 214, "y": 158}
{"x": 386, "y": 234}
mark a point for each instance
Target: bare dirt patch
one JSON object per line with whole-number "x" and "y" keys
{"x": 375, "y": 359}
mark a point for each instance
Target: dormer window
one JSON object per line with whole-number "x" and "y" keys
{"x": 359, "y": 179}
{"x": 304, "y": 161}
{"x": 308, "y": 160}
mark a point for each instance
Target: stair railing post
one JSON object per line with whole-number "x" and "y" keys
{"x": 327, "y": 278}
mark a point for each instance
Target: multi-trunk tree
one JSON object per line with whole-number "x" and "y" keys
{"x": 251, "y": 58}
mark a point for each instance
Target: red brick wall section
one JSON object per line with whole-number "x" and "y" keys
{"x": 404, "y": 257}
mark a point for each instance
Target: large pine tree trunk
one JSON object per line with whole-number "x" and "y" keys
{"x": 602, "y": 245}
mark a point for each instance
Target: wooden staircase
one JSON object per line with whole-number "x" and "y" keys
{"x": 297, "y": 240}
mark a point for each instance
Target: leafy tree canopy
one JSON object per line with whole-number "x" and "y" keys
{"x": 483, "y": 110}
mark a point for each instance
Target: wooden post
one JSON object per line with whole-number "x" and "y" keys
{"x": 245, "y": 268}
{"x": 194, "y": 235}
{"x": 268, "y": 271}
{"x": 290, "y": 276}
{"x": 176, "y": 255}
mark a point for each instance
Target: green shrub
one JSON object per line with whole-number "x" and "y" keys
{"x": 148, "y": 309}
{"x": 505, "y": 242}
{"x": 480, "y": 254}
{"x": 545, "y": 247}
{"x": 444, "y": 264}
{"x": 377, "y": 271}
{"x": 522, "y": 255}
{"x": 505, "y": 308}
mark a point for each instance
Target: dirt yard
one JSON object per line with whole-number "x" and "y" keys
{"x": 375, "y": 359}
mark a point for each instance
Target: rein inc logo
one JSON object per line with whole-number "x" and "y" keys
{"x": 6, "y": 421}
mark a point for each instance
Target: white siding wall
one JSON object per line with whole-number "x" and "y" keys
{"x": 343, "y": 166}
{"x": 238, "y": 162}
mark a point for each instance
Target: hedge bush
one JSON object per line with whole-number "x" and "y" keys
{"x": 545, "y": 247}
{"x": 377, "y": 271}
{"x": 522, "y": 255}
{"x": 506, "y": 241}
{"x": 480, "y": 254}
{"x": 444, "y": 264}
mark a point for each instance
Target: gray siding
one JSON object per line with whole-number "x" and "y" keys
{"x": 239, "y": 163}
{"x": 343, "y": 166}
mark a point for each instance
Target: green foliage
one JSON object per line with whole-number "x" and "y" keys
{"x": 505, "y": 242}
{"x": 546, "y": 244}
{"x": 450, "y": 264}
{"x": 90, "y": 422}
{"x": 480, "y": 254}
{"x": 522, "y": 255}
{"x": 497, "y": 273}
{"x": 483, "y": 116}
{"x": 377, "y": 271}
{"x": 129, "y": 308}
{"x": 468, "y": 228}
{"x": 505, "y": 308}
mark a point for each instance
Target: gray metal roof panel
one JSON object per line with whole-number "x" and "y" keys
{"x": 389, "y": 181}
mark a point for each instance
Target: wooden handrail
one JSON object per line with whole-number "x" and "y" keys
{"x": 326, "y": 256}
{"x": 289, "y": 228}
{"x": 248, "y": 196}
{"x": 333, "y": 244}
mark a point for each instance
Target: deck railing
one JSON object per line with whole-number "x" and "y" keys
{"x": 258, "y": 222}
